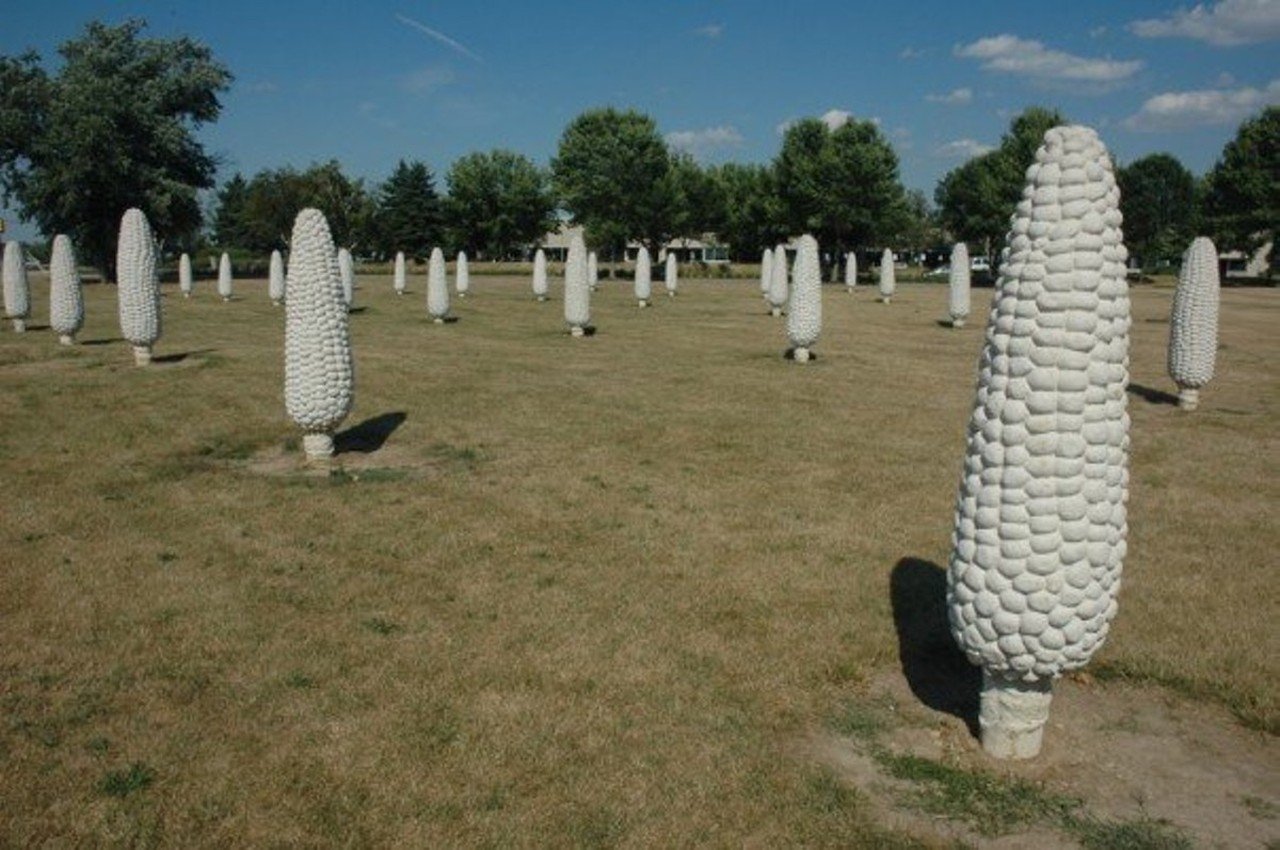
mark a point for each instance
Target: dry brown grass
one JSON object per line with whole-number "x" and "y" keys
{"x": 589, "y": 593}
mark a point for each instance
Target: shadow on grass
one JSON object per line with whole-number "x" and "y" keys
{"x": 111, "y": 341}
{"x": 1152, "y": 395}
{"x": 935, "y": 668}
{"x": 356, "y": 311}
{"x": 368, "y": 436}
{"x": 178, "y": 357}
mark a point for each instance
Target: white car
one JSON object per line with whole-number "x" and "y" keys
{"x": 979, "y": 264}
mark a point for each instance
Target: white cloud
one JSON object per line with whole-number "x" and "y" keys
{"x": 710, "y": 31}
{"x": 961, "y": 149}
{"x": 955, "y": 97}
{"x": 1029, "y": 58}
{"x": 836, "y": 118}
{"x": 427, "y": 80}
{"x": 1097, "y": 32}
{"x": 911, "y": 53}
{"x": 438, "y": 36}
{"x": 1223, "y": 24}
{"x": 698, "y": 142}
{"x": 1181, "y": 109}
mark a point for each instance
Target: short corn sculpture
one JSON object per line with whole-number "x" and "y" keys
{"x": 224, "y": 276}
{"x": 644, "y": 277}
{"x": 958, "y": 290}
{"x": 577, "y": 288}
{"x": 462, "y": 276}
{"x": 347, "y": 274}
{"x": 66, "y": 298}
{"x": 804, "y": 315}
{"x": 138, "y": 285}
{"x": 1193, "y": 324}
{"x": 17, "y": 290}
{"x": 851, "y": 271}
{"x": 319, "y": 377}
{"x": 778, "y": 281}
{"x": 672, "y": 278}
{"x": 401, "y": 277}
{"x": 766, "y": 271}
{"x": 275, "y": 279}
{"x": 593, "y": 271}
{"x": 887, "y": 280}
{"x": 1040, "y": 519}
{"x": 540, "y": 275}
{"x": 185, "y": 279}
{"x": 437, "y": 288}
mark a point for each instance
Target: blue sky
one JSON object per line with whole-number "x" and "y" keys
{"x": 378, "y": 81}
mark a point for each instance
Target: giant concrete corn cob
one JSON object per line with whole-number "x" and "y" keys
{"x": 275, "y": 278}
{"x": 577, "y": 288}
{"x": 66, "y": 299}
{"x": 887, "y": 280}
{"x": 462, "y": 277}
{"x": 804, "y": 315}
{"x": 185, "y": 278}
{"x": 778, "y": 281}
{"x": 401, "y": 278}
{"x": 644, "y": 277}
{"x": 672, "y": 275}
{"x": 437, "y": 287}
{"x": 851, "y": 271}
{"x": 958, "y": 291}
{"x": 540, "y": 275}
{"x": 593, "y": 271}
{"x": 319, "y": 377}
{"x": 1040, "y": 519}
{"x": 224, "y": 276}
{"x": 17, "y": 290}
{"x": 347, "y": 274}
{"x": 1193, "y": 324}
{"x": 138, "y": 285}
{"x": 766, "y": 272}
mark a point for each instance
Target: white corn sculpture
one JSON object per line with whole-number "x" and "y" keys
{"x": 778, "y": 281}
{"x": 851, "y": 271}
{"x": 401, "y": 277}
{"x": 766, "y": 272}
{"x": 275, "y": 279}
{"x": 887, "y": 281}
{"x": 437, "y": 288}
{"x": 1040, "y": 520}
{"x": 319, "y": 377}
{"x": 540, "y": 275}
{"x": 66, "y": 299}
{"x": 347, "y": 274}
{"x": 577, "y": 288}
{"x": 17, "y": 290}
{"x": 185, "y": 279}
{"x": 224, "y": 276}
{"x": 462, "y": 277}
{"x": 644, "y": 277}
{"x": 1193, "y": 324}
{"x": 672, "y": 275}
{"x": 593, "y": 271}
{"x": 804, "y": 315}
{"x": 958, "y": 291}
{"x": 138, "y": 285}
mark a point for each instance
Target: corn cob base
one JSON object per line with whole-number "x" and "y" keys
{"x": 1012, "y": 715}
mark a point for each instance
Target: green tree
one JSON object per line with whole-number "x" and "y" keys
{"x": 111, "y": 128}
{"x": 610, "y": 173}
{"x": 229, "y": 230}
{"x": 697, "y": 202}
{"x": 409, "y": 213}
{"x": 1242, "y": 197}
{"x": 752, "y": 217}
{"x": 498, "y": 201}
{"x": 840, "y": 185}
{"x": 976, "y": 199}
{"x": 1158, "y": 200}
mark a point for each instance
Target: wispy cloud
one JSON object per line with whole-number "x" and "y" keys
{"x": 1209, "y": 107}
{"x": 955, "y": 97}
{"x": 1026, "y": 57}
{"x": 833, "y": 118}
{"x": 710, "y": 31}
{"x": 911, "y": 53}
{"x": 701, "y": 142}
{"x": 427, "y": 80}
{"x": 961, "y": 149}
{"x": 1223, "y": 24}
{"x": 438, "y": 36}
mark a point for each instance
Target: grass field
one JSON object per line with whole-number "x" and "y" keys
{"x": 567, "y": 592}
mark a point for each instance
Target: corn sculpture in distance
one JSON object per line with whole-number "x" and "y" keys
{"x": 804, "y": 315}
{"x": 401, "y": 277}
{"x": 1040, "y": 520}
{"x": 778, "y": 281}
{"x": 66, "y": 298}
{"x": 888, "y": 282}
{"x": 462, "y": 275}
{"x": 185, "y": 279}
{"x": 851, "y": 271}
{"x": 319, "y": 376}
{"x": 540, "y": 275}
{"x": 672, "y": 278}
{"x": 1193, "y": 323}
{"x": 644, "y": 277}
{"x": 593, "y": 271}
{"x": 766, "y": 272}
{"x": 577, "y": 288}
{"x": 17, "y": 290}
{"x": 958, "y": 290}
{"x": 138, "y": 285}
{"x": 347, "y": 274}
{"x": 275, "y": 279}
{"x": 224, "y": 276}
{"x": 437, "y": 287}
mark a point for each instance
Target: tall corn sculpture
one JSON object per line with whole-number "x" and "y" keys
{"x": 1193, "y": 324}
{"x": 66, "y": 299}
{"x": 17, "y": 290}
{"x": 138, "y": 285}
{"x": 577, "y": 288}
{"x": 644, "y": 277}
{"x": 958, "y": 289}
{"x": 804, "y": 315}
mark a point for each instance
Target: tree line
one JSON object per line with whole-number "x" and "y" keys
{"x": 114, "y": 126}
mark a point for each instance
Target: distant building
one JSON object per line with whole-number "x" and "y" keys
{"x": 708, "y": 249}
{"x": 1238, "y": 264}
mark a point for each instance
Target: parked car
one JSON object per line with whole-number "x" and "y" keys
{"x": 979, "y": 264}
